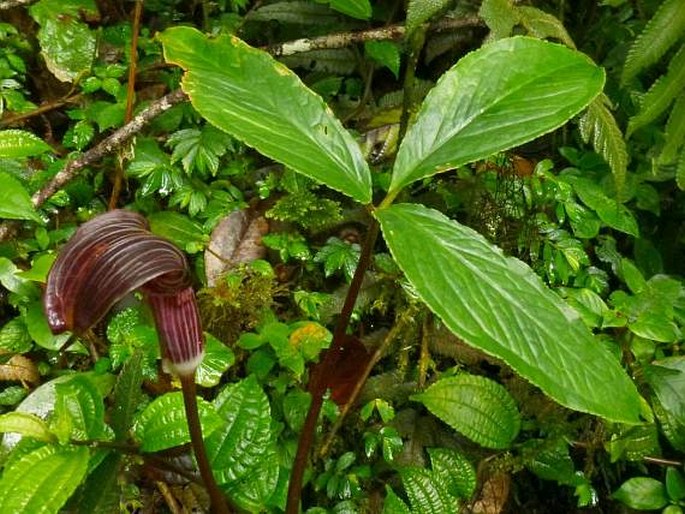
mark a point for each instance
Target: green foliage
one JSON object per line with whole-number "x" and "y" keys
{"x": 664, "y": 29}
{"x": 420, "y": 11}
{"x": 67, "y": 44}
{"x": 41, "y": 481}
{"x": 481, "y": 307}
{"x": 16, "y": 202}
{"x": 441, "y": 489}
{"x": 163, "y": 423}
{"x": 479, "y": 408}
{"x": 488, "y": 112}
{"x": 600, "y": 289}
{"x": 296, "y": 130}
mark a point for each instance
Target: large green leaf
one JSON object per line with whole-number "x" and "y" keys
{"x": 79, "y": 401}
{"x": 499, "y": 305}
{"x": 498, "y": 97}
{"x": 243, "y": 440}
{"x": 67, "y": 44}
{"x": 476, "y": 406}
{"x": 163, "y": 423}
{"x": 15, "y": 202}
{"x": 245, "y": 92}
{"x": 41, "y": 481}
{"x": 26, "y": 424}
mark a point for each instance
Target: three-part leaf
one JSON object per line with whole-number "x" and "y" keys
{"x": 499, "y": 305}
{"x": 495, "y": 98}
{"x": 245, "y": 92}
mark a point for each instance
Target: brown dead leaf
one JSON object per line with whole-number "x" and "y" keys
{"x": 236, "y": 239}
{"x": 493, "y": 495}
{"x": 20, "y": 369}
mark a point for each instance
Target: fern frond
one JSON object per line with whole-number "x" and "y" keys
{"x": 600, "y": 125}
{"x": 661, "y": 94}
{"x": 499, "y": 16}
{"x": 661, "y": 32}
{"x": 680, "y": 171}
{"x": 675, "y": 132}
{"x": 543, "y": 25}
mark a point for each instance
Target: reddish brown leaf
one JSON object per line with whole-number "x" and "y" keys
{"x": 348, "y": 370}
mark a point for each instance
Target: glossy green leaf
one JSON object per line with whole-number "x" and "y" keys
{"x": 667, "y": 379}
{"x": 394, "y": 504}
{"x": 14, "y": 337}
{"x": 245, "y": 92}
{"x": 458, "y": 472}
{"x": 241, "y": 441}
{"x": 475, "y": 406}
{"x": 26, "y": 424}
{"x": 385, "y": 53}
{"x": 40, "y": 332}
{"x": 41, "y": 481}
{"x": 15, "y": 202}
{"x": 499, "y": 305}
{"x": 15, "y": 144}
{"x": 67, "y": 44}
{"x": 80, "y": 401}
{"x": 427, "y": 492}
{"x": 498, "y": 97}
{"x": 178, "y": 229}
{"x": 675, "y": 484}
{"x": 127, "y": 394}
{"x": 163, "y": 423}
{"x": 252, "y": 491}
{"x": 642, "y": 493}
{"x": 218, "y": 358}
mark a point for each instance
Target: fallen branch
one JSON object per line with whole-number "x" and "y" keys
{"x": 344, "y": 39}
{"x": 104, "y": 147}
{"x": 10, "y": 4}
{"x": 41, "y": 109}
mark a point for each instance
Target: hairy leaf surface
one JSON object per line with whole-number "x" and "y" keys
{"x": 499, "y": 305}
{"x": 245, "y": 92}
{"x": 500, "y": 96}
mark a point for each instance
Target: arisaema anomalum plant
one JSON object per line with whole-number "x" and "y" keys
{"x": 109, "y": 257}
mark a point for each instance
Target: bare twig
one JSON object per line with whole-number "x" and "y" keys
{"x": 130, "y": 95}
{"x": 106, "y": 146}
{"x": 344, "y": 39}
{"x": 9, "y": 4}
{"x": 41, "y": 109}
